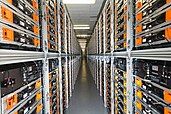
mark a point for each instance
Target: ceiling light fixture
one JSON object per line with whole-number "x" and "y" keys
{"x": 81, "y": 25}
{"x": 82, "y": 41}
{"x": 79, "y": 1}
{"x": 81, "y": 28}
{"x": 83, "y": 35}
{"x": 83, "y": 44}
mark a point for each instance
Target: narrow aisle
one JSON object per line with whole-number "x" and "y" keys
{"x": 85, "y": 99}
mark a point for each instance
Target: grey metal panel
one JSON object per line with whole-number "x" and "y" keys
{"x": 159, "y": 51}
{"x": 112, "y": 86}
{"x": 52, "y": 55}
{"x": 105, "y": 102}
{"x": 60, "y": 86}
{"x": 14, "y": 56}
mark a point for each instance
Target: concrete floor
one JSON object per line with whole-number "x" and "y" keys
{"x": 85, "y": 99}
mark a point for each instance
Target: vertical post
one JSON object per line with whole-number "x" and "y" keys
{"x": 46, "y": 97}
{"x": 112, "y": 85}
{"x": 67, "y": 84}
{"x": 100, "y": 50}
{"x": 69, "y": 42}
{"x": 97, "y": 72}
{"x": 104, "y": 31}
{"x": 130, "y": 35}
{"x": 60, "y": 86}
{"x": 130, "y": 102}
{"x": 105, "y": 102}
{"x": 70, "y": 75}
{"x": 73, "y": 72}
{"x": 59, "y": 27}
{"x": 65, "y": 37}
{"x": 100, "y": 62}
{"x": 112, "y": 26}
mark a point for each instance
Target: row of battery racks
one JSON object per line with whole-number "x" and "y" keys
{"x": 133, "y": 75}
{"x": 38, "y": 27}
{"x": 151, "y": 84}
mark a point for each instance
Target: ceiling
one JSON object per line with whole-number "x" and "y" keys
{"x": 86, "y": 14}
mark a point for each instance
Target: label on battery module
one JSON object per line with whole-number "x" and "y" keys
{"x": 144, "y": 100}
{"x": 21, "y": 7}
{"x": 144, "y": 112}
{"x": 51, "y": 4}
{"x": 155, "y": 68}
{"x": 144, "y": 40}
{"x": 144, "y": 13}
{"x": 144, "y": 27}
{"x": 23, "y": 40}
{"x": 26, "y": 110}
{"x": 30, "y": 68}
{"x": 22, "y": 23}
{"x": 25, "y": 95}
{"x": 144, "y": 87}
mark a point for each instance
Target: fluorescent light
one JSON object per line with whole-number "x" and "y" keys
{"x": 81, "y": 25}
{"x": 83, "y": 44}
{"x": 82, "y": 41}
{"x": 79, "y": 1}
{"x": 83, "y": 35}
{"x": 83, "y": 50}
{"x": 81, "y": 28}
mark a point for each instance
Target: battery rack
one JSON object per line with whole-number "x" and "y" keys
{"x": 54, "y": 86}
{"x": 108, "y": 28}
{"x": 152, "y": 26}
{"x": 19, "y": 25}
{"x": 120, "y": 86}
{"x": 67, "y": 34}
{"x": 108, "y": 84}
{"x": 102, "y": 33}
{"x": 51, "y": 10}
{"x": 120, "y": 25}
{"x": 152, "y": 84}
{"x": 23, "y": 97}
{"x": 64, "y": 82}
{"x": 98, "y": 38}
{"x": 62, "y": 26}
